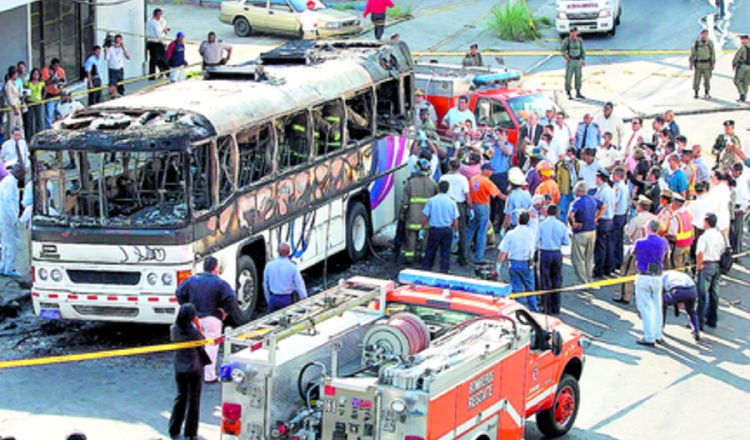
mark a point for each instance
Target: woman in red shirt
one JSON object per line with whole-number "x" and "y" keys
{"x": 377, "y": 8}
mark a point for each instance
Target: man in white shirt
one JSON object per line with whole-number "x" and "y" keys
{"x": 457, "y": 116}
{"x": 720, "y": 199}
{"x": 608, "y": 155}
{"x": 607, "y": 121}
{"x": 459, "y": 192}
{"x": 212, "y": 51}
{"x": 116, "y": 54}
{"x": 11, "y": 148}
{"x": 708, "y": 255}
{"x": 637, "y": 136}
{"x": 562, "y": 136}
{"x": 308, "y": 20}
{"x": 156, "y": 30}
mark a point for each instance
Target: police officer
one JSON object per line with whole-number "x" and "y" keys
{"x": 702, "y": 61}
{"x": 282, "y": 280}
{"x": 418, "y": 189}
{"x": 441, "y": 216}
{"x": 726, "y": 156}
{"x": 214, "y": 300}
{"x": 553, "y": 235}
{"x": 575, "y": 58}
{"x": 420, "y": 102}
{"x": 518, "y": 247}
{"x": 741, "y": 66}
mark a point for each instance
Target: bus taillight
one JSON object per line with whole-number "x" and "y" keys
{"x": 182, "y": 275}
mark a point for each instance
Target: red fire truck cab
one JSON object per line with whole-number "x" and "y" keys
{"x": 494, "y": 95}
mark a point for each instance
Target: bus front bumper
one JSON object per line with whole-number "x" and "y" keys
{"x": 143, "y": 308}
{"x": 594, "y": 25}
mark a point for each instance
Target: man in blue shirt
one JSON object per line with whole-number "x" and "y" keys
{"x": 622, "y": 205}
{"x": 441, "y": 215}
{"x": 582, "y": 218}
{"x": 214, "y": 300}
{"x": 282, "y": 280}
{"x": 518, "y": 199}
{"x": 518, "y": 247}
{"x": 553, "y": 235}
{"x": 604, "y": 251}
{"x": 678, "y": 182}
{"x": 501, "y": 162}
{"x": 93, "y": 69}
{"x": 587, "y": 134}
{"x": 649, "y": 258}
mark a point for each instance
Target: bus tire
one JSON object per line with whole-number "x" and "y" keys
{"x": 558, "y": 420}
{"x": 242, "y": 27}
{"x": 357, "y": 232}
{"x": 248, "y": 289}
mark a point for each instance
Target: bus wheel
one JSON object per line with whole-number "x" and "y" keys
{"x": 357, "y": 232}
{"x": 557, "y": 420}
{"x": 247, "y": 288}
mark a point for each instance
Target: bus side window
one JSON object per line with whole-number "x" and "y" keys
{"x": 225, "y": 167}
{"x": 327, "y": 130}
{"x": 359, "y": 117}
{"x": 200, "y": 170}
{"x": 389, "y": 103}
{"x": 256, "y": 148}
{"x": 292, "y": 132}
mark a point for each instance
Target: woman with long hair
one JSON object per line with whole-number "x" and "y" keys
{"x": 35, "y": 86}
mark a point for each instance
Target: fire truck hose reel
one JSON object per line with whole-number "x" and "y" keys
{"x": 402, "y": 335}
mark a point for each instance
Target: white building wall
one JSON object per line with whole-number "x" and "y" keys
{"x": 14, "y": 28}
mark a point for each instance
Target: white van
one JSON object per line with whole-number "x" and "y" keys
{"x": 588, "y": 15}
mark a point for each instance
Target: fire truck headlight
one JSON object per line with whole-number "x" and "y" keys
{"x": 56, "y": 275}
{"x": 398, "y": 406}
{"x": 167, "y": 279}
{"x": 152, "y": 278}
{"x": 562, "y": 16}
{"x": 43, "y": 274}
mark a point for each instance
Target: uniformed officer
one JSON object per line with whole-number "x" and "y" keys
{"x": 553, "y": 235}
{"x": 282, "y": 280}
{"x": 741, "y": 66}
{"x": 214, "y": 300}
{"x": 726, "y": 146}
{"x": 575, "y": 58}
{"x": 418, "y": 189}
{"x": 441, "y": 216}
{"x": 702, "y": 61}
{"x": 518, "y": 247}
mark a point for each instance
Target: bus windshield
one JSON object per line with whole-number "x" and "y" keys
{"x": 537, "y": 102}
{"x": 110, "y": 189}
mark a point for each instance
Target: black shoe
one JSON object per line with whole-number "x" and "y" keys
{"x": 620, "y": 300}
{"x": 661, "y": 341}
{"x": 645, "y": 342}
{"x": 579, "y": 96}
{"x": 696, "y": 336}
{"x": 742, "y": 98}
{"x": 710, "y": 324}
{"x": 570, "y": 96}
{"x": 695, "y": 96}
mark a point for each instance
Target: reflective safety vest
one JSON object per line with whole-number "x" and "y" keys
{"x": 684, "y": 235}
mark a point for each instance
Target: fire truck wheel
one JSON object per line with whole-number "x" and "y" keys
{"x": 247, "y": 288}
{"x": 557, "y": 420}
{"x": 357, "y": 232}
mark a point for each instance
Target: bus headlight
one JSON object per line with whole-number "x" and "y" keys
{"x": 152, "y": 278}
{"x": 167, "y": 279}
{"x": 562, "y": 16}
{"x": 604, "y": 13}
{"x": 43, "y": 274}
{"x": 56, "y": 275}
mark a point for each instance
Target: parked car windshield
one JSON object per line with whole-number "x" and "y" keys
{"x": 301, "y": 5}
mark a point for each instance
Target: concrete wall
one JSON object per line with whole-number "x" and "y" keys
{"x": 129, "y": 20}
{"x": 14, "y": 27}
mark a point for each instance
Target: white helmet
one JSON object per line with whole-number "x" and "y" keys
{"x": 516, "y": 176}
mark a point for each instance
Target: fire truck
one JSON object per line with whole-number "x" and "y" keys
{"x": 429, "y": 357}
{"x": 495, "y": 96}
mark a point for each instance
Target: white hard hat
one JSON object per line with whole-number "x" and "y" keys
{"x": 516, "y": 176}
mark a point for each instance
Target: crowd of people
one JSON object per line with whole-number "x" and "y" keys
{"x": 615, "y": 195}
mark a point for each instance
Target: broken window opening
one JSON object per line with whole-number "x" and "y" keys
{"x": 327, "y": 129}
{"x": 200, "y": 171}
{"x": 225, "y": 153}
{"x": 407, "y": 90}
{"x": 359, "y": 117}
{"x": 256, "y": 152}
{"x": 389, "y": 108}
{"x": 292, "y": 133}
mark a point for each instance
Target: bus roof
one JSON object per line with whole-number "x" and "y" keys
{"x": 238, "y": 98}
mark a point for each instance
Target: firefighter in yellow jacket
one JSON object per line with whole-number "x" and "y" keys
{"x": 418, "y": 189}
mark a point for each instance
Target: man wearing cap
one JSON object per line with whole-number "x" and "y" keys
{"x": 548, "y": 187}
{"x": 634, "y": 231}
{"x": 308, "y": 21}
{"x": 664, "y": 211}
{"x": 176, "y": 58}
{"x": 726, "y": 146}
{"x": 441, "y": 217}
{"x": 649, "y": 257}
{"x": 678, "y": 182}
{"x": 473, "y": 58}
{"x": 741, "y": 66}
{"x": 680, "y": 233}
{"x": 417, "y": 190}
{"x": 421, "y": 102}
{"x": 604, "y": 252}
{"x": 587, "y": 134}
{"x": 575, "y": 58}
{"x": 582, "y": 218}
{"x": 553, "y": 235}
{"x": 518, "y": 199}
{"x": 518, "y": 247}
{"x": 702, "y": 61}
{"x": 481, "y": 191}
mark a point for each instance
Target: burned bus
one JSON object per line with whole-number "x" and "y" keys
{"x": 305, "y": 145}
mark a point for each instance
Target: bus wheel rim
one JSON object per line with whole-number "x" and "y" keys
{"x": 359, "y": 233}
{"x": 247, "y": 286}
{"x": 564, "y": 406}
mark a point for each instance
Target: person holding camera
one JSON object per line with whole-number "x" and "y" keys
{"x": 116, "y": 53}
{"x": 54, "y": 83}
